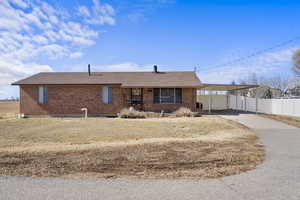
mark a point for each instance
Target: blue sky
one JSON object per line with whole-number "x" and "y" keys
{"x": 133, "y": 35}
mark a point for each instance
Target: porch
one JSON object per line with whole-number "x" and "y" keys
{"x": 158, "y": 99}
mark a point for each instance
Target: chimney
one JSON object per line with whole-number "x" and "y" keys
{"x": 89, "y": 69}
{"x": 155, "y": 69}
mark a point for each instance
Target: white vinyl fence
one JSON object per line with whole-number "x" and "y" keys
{"x": 270, "y": 106}
{"x": 218, "y": 102}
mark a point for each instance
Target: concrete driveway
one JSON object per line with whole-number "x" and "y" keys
{"x": 277, "y": 178}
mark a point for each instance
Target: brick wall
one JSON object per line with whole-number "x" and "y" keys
{"x": 68, "y": 100}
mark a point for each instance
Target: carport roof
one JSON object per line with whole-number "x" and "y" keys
{"x": 226, "y": 87}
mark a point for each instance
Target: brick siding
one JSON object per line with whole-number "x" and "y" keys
{"x": 68, "y": 100}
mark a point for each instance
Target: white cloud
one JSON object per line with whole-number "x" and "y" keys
{"x": 140, "y": 9}
{"x": 40, "y": 39}
{"x": 263, "y": 65}
{"x": 13, "y": 70}
{"x": 53, "y": 51}
{"x": 53, "y": 19}
{"x": 20, "y": 3}
{"x": 83, "y": 11}
{"x": 99, "y": 13}
{"x": 76, "y": 54}
{"x": 30, "y": 30}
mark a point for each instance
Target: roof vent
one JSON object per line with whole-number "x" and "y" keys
{"x": 89, "y": 69}
{"x": 155, "y": 70}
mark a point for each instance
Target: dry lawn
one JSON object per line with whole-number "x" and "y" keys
{"x": 206, "y": 147}
{"x": 294, "y": 121}
{"x": 8, "y": 109}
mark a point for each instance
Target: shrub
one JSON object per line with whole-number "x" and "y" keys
{"x": 131, "y": 113}
{"x": 197, "y": 114}
{"x": 183, "y": 112}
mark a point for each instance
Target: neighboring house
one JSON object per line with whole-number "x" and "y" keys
{"x": 264, "y": 92}
{"x": 106, "y": 93}
{"x": 294, "y": 92}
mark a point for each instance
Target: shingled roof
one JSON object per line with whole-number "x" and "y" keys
{"x": 125, "y": 79}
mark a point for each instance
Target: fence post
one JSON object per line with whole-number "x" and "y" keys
{"x": 209, "y": 102}
{"x": 236, "y": 100}
{"x": 245, "y": 103}
{"x": 256, "y": 104}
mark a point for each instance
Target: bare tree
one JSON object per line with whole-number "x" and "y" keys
{"x": 296, "y": 62}
{"x": 253, "y": 79}
{"x": 277, "y": 82}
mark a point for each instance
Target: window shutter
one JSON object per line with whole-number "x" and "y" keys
{"x": 110, "y": 95}
{"x": 156, "y": 95}
{"x": 178, "y": 95}
{"x": 45, "y": 95}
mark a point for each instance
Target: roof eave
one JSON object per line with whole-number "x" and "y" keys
{"x": 16, "y": 83}
{"x": 161, "y": 86}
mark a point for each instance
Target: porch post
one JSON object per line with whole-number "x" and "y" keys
{"x": 209, "y": 102}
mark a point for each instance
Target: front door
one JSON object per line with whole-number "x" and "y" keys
{"x": 137, "y": 97}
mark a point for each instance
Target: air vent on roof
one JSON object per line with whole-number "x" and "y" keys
{"x": 155, "y": 70}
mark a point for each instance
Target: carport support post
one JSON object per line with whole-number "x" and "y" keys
{"x": 236, "y": 100}
{"x": 256, "y": 101}
{"x": 209, "y": 102}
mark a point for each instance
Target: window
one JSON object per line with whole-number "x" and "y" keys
{"x": 136, "y": 95}
{"x": 107, "y": 95}
{"x": 167, "y": 95}
{"x": 42, "y": 95}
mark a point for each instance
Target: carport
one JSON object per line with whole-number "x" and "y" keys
{"x": 208, "y": 89}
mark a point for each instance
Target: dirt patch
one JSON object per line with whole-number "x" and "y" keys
{"x": 151, "y": 160}
{"x": 206, "y": 147}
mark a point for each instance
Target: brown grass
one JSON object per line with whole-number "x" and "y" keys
{"x": 37, "y": 131}
{"x": 8, "y": 109}
{"x": 206, "y": 147}
{"x": 294, "y": 121}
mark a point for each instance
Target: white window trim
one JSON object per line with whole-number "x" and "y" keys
{"x": 174, "y": 102}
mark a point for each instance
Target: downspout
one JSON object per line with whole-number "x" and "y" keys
{"x": 85, "y": 112}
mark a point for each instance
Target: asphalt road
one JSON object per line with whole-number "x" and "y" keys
{"x": 277, "y": 178}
